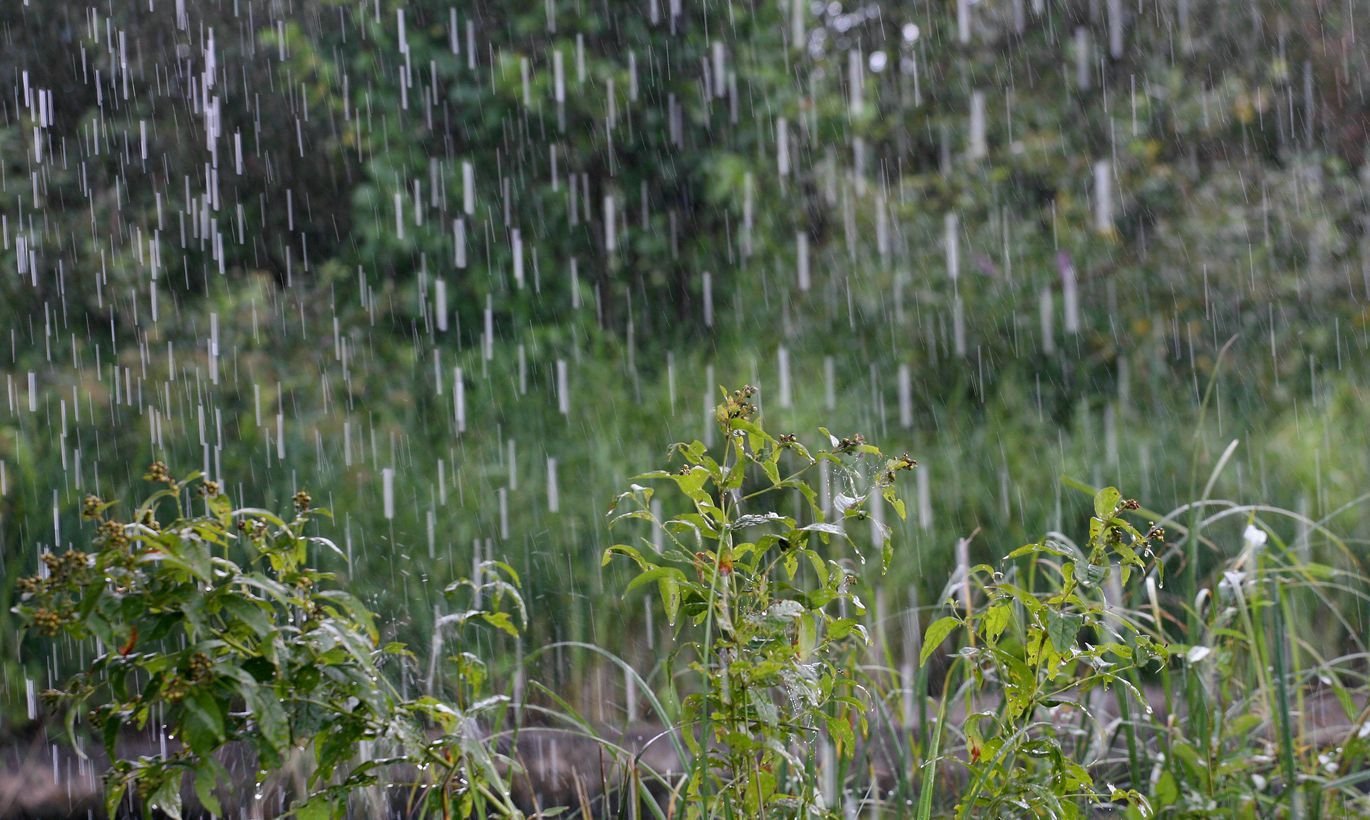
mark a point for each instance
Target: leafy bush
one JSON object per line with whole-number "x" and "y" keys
{"x": 217, "y": 625}
{"x": 755, "y": 589}
{"x": 1245, "y": 716}
{"x": 1026, "y": 644}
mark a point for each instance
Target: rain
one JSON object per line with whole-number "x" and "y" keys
{"x": 465, "y": 270}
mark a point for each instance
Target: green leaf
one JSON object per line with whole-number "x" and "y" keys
{"x": 1022, "y": 596}
{"x": 270, "y": 716}
{"x": 996, "y": 619}
{"x": 841, "y": 628}
{"x": 808, "y": 635}
{"x": 1166, "y": 792}
{"x": 757, "y": 519}
{"x": 250, "y": 613}
{"x": 842, "y": 737}
{"x": 892, "y": 498}
{"x": 356, "y": 609}
{"x": 1089, "y": 575}
{"x": 109, "y": 733}
{"x": 937, "y": 631}
{"x": 1062, "y": 629}
{"x": 334, "y": 745}
{"x": 167, "y": 798}
{"x": 204, "y": 725}
{"x": 1106, "y": 502}
{"x": 319, "y": 807}
{"x": 222, "y": 509}
{"x": 623, "y": 549}
{"x": 206, "y": 776}
{"x": 652, "y": 574}
{"x": 114, "y": 795}
{"x": 669, "y": 587}
{"x": 501, "y": 621}
{"x": 692, "y": 483}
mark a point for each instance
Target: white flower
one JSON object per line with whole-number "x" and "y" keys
{"x": 1254, "y": 537}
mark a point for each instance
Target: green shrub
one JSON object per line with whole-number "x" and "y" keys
{"x": 1027, "y": 646}
{"x": 766, "y": 606}
{"x": 217, "y": 625}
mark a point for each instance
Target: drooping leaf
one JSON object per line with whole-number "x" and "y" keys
{"x": 501, "y": 621}
{"x": 669, "y": 587}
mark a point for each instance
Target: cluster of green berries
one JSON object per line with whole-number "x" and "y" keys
{"x": 47, "y": 621}
{"x": 91, "y": 507}
{"x": 157, "y": 471}
{"x": 69, "y": 565}
{"x": 62, "y": 571}
{"x": 176, "y": 689}
{"x": 112, "y": 535}
{"x": 737, "y": 406}
{"x": 200, "y": 667}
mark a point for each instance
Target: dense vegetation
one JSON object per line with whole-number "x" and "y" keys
{"x": 462, "y": 268}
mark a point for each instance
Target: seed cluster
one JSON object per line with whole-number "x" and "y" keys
{"x": 850, "y": 443}
{"x": 157, "y": 471}
{"x": 51, "y": 593}
{"x": 737, "y": 406}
